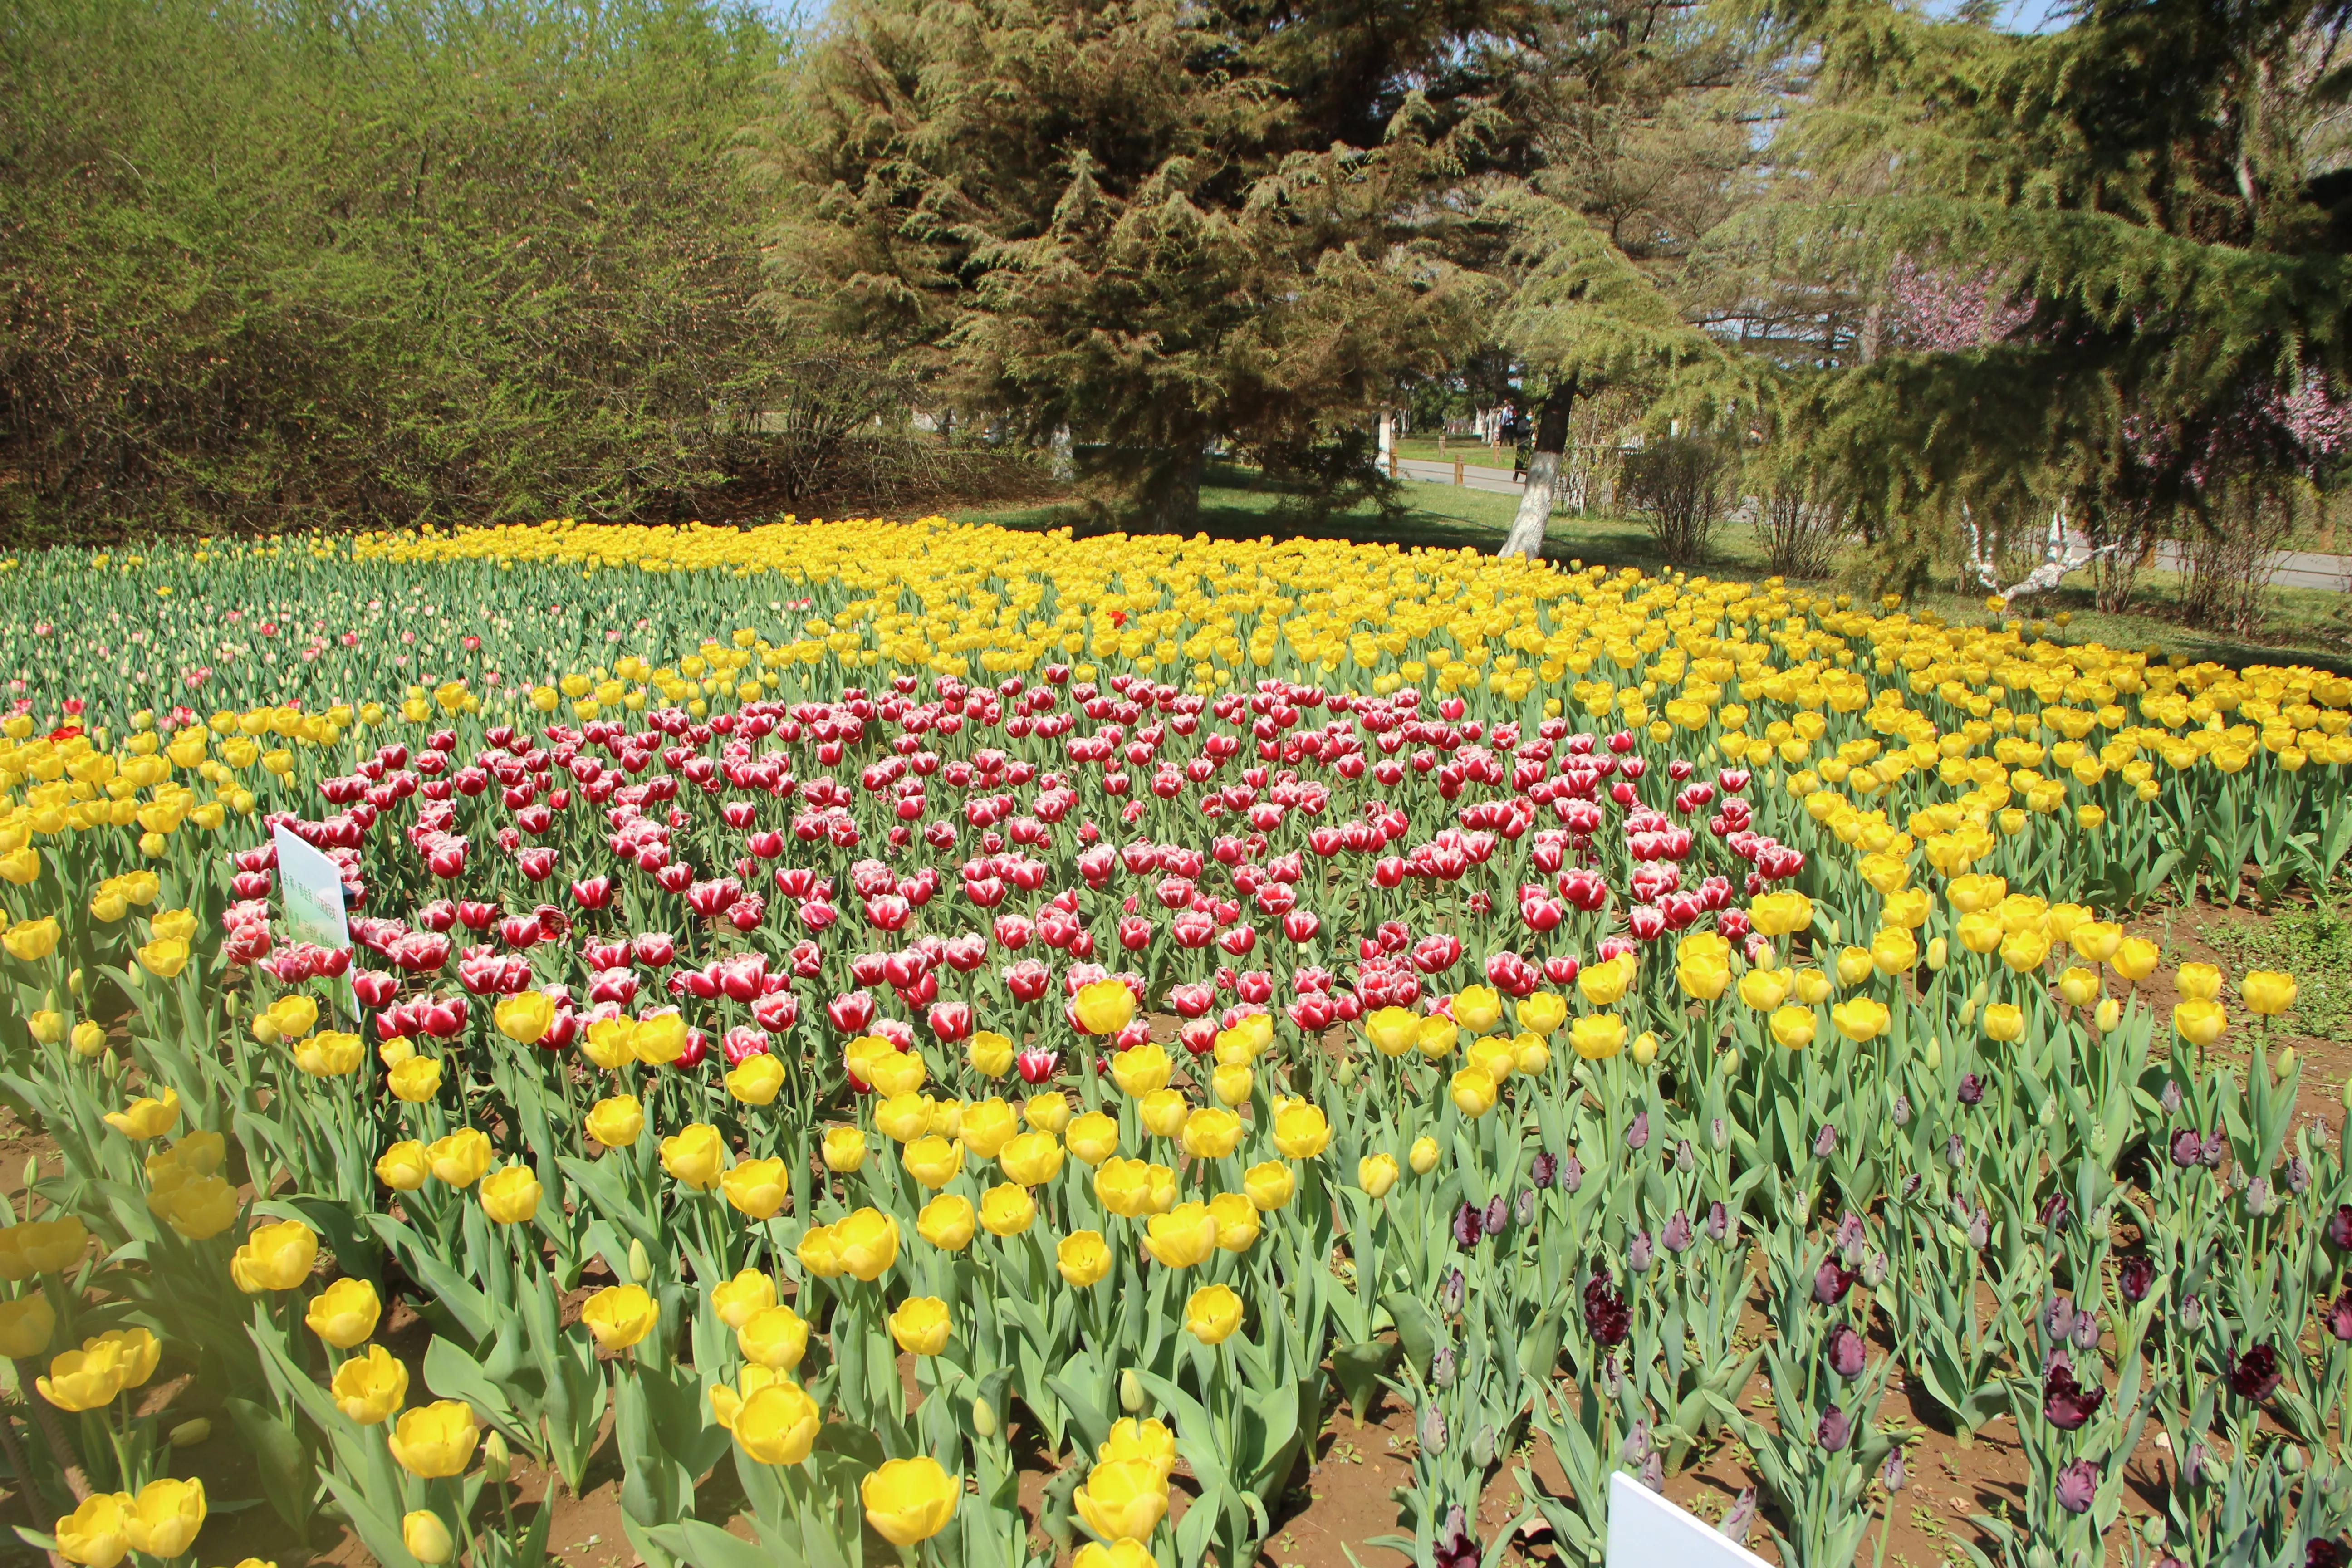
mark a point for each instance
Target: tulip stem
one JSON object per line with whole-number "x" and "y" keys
{"x": 36, "y": 1496}
{"x": 46, "y": 1420}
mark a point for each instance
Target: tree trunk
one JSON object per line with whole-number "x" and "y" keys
{"x": 1064, "y": 456}
{"x": 1171, "y": 501}
{"x": 1543, "y": 473}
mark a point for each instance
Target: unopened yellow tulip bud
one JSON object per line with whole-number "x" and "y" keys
{"x": 1423, "y": 1155}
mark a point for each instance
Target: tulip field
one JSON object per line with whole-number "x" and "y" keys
{"x": 999, "y": 1045}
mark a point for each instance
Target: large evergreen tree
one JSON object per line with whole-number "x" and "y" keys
{"x": 2142, "y": 218}
{"x": 1157, "y": 223}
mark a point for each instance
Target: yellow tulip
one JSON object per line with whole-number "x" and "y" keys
{"x": 1104, "y": 1007}
{"x": 990, "y": 1053}
{"x": 2267, "y": 992}
{"x": 738, "y": 1298}
{"x": 1092, "y": 1138}
{"x": 525, "y": 1017}
{"x": 2079, "y": 987}
{"x": 370, "y": 1386}
{"x": 2136, "y": 958}
{"x": 1793, "y": 1026}
{"x": 1210, "y": 1133}
{"x": 758, "y": 1189}
{"x": 1007, "y": 1209}
{"x": 1301, "y": 1131}
{"x": 620, "y": 1315}
{"x": 1124, "y": 1498}
{"x": 1142, "y": 1070}
{"x": 403, "y": 1166}
{"x": 345, "y": 1314}
{"x": 757, "y": 1080}
{"x": 1861, "y": 1018}
{"x": 1472, "y": 1092}
{"x": 1181, "y": 1238}
{"x": 275, "y": 1258}
{"x": 694, "y": 1155}
{"x": 1269, "y": 1185}
{"x": 1033, "y": 1159}
{"x": 2200, "y": 1020}
{"x": 774, "y": 1337}
{"x": 1082, "y": 1257}
{"x": 903, "y": 1117}
{"x": 1125, "y": 1552}
{"x": 1046, "y": 1112}
{"x": 778, "y": 1423}
{"x": 1392, "y": 1030}
{"x": 415, "y": 1081}
{"x": 2198, "y": 981}
{"x": 1423, "y": 1155}
{"x": 1477, "y": 1008}
{"x": 1211, "y": 1313}
{"x": 26, "y": 1326}
{"x": 1376, "y": 1173}
{"x": 436, "y": 1440}
{"x": 146, "y": 1118}
{"x": 164, "y": 1520}
{"x": 921, "y": 1325}
{"x": 164, "y": 957}
{"x": 461, "y": 1158}
{"x": 1597, "y": 1036}
{"x": 425, "y": 1536}
{"x": 988, "y": 1126}
{"x": 1543, "y": 1013}
{"x": 907, "y": 1500}
{"x": 868, "y": 1244}
{"x": 617, "y": 1121}
{"x": 948, "y": 1222}
{"x": 845, "y": 1149}
{"x": 512, "y": 1197}
{"x": 96, "y": 1534}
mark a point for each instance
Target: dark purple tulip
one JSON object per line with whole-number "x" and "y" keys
{"x": 1902, "y": 1110}
{"x": 2078, "y": 1483}
{"x": 2216, "y": 1145}
{"x": 2256, "y": 1373}
{"x": 2339, "y": 1228}
{"x": 2169, "y": 1098}
{"x": 1640, "y": 1251}
{"x": 1718, "y": 1222}
{"x": 2340, "y": 1317}
{"x": 1678, "y": 1234}
{"x": 2053, "y": 1211}
{"x": 1432, "y": 1432}
{"x": 2258, "y": 1197}
{"x": 1543, "y": 1170}
{"x": 1450, "y": 1290}
{"x": 1971, "y": 1089}
{"x": 1523, "y": 1209}
{"x": 1740, "y": 1517}
{"x": 1441, "y": 1368}
{"x": 1498, "y": 1214}
{"x": 1980, "y": 1228}
{"x": 2137, "y": 1277}
{"x": 1604, "y": 1311}
{"x": 1849, "y": 1236}
{"x": 2298, "y": 1175}
{"x": 1847, "y": 1353}
{"x": 1653, "y": 1472}
{"x": 1636, "y": 1447}
{"x": 2065, "y": 1403}
{"x": 1456, "y": 1547}
{"x": 1825, "y": 1143}
{"x": 1831, "y": 1282}
{"x": 2192, "y": 1467}
{"x": 2188, "y": 1149}
{"x": 1874, "y": 1269}
{"x": 2324, "y": 1552}
{"x": 1637, "y": 1133}
{"x": 1893, "y": 1474}
{"x": 2192, "y": 1313}
{"x": 1685, "y": 1159}
{"x": 1954, "y": 1153}
{"x": 1468, "y": 1226}
{"x": 2058, "y": 1319}
{"x": 1572, "y": 1175}
{"x": 1835, "y": 1430}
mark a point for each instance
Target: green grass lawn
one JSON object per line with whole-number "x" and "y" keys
{"x": 2307, "y": 625}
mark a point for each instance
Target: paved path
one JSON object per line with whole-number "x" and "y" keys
{"x": 2289, "y": 568}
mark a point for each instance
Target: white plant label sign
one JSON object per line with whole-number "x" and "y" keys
{"x": 1646, "y": 1530}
